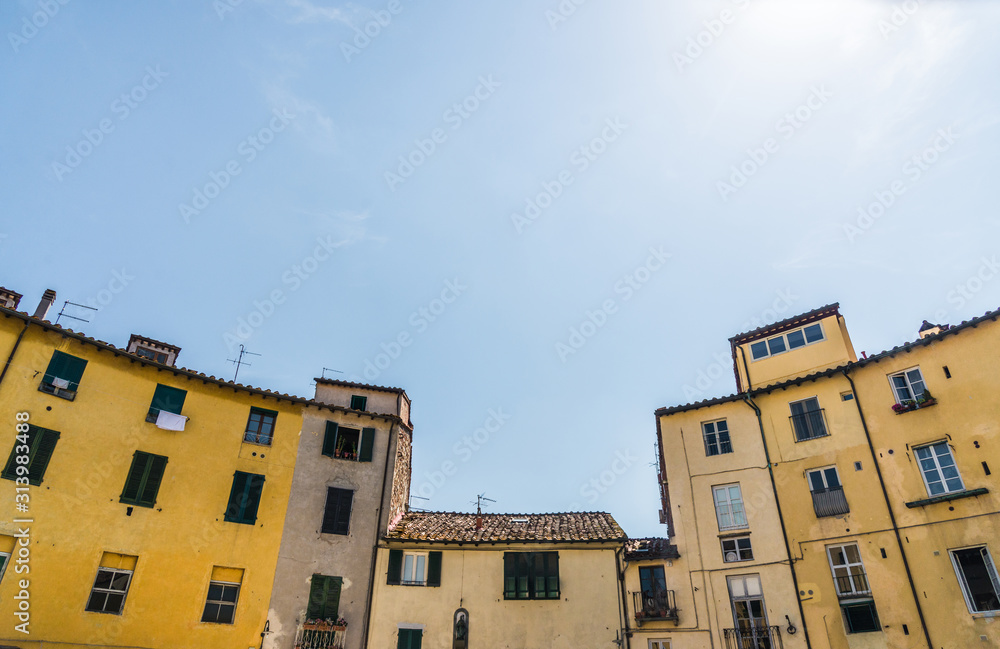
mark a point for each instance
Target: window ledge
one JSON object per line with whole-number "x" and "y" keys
{"x": 986, "y": 614}
{"x": 914, "y": 406}
{"x": 742, "y": 531}
{"x": 806, "y": 439}
{"x": 958, "y": 495}
{"x": 62, "y": 393}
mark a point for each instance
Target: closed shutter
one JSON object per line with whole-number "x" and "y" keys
{"x": 134, "y": 480}
{"x": 395, "y": 567}
{"x": 509, "y": 575}
{"x": 552, "y": 574}
{"x": 330, "y": 439}
{"x": 434, "y": 569}
{"x": 253, "y": 498}
{"x": 332, "y": 608}
{"x": 244, "y": 498}
{"x": 234, "y": 511}
{"x": 153, "y": 478}
{"x": 343, "y": 524}
{"x": 337, "y": 515}
{"x": 410, "y": 638}
{"x": 43, "y": 444}
{"x": 317, "y": 597}
{"x": 367, "y": 444}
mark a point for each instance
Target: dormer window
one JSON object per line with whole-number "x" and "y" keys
{"x": 153, "y": 350}
{"x": 787, "y": 341}
{"x": 145, "y": 352}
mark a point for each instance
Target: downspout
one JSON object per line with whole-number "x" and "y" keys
{"x": 13, "y": 351}
{"x": 777, "y": 503}
{"x": 626, "y": 632}
{"x": 892, "y": 516}
{"x": 378, "y": 525}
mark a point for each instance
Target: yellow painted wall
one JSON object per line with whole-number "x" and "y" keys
{"x": 587, "y": 615}
{"x": 836, "y": 349}
{"x": 78, "y": 517}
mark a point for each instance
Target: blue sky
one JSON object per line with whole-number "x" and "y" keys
{"x": 562, "y": 210}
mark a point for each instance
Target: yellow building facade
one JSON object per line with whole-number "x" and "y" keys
{"x": 531, "y": 581}
{"x": 881, "y": 471}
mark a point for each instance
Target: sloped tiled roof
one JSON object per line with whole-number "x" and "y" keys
{"x": 506, "y": 528}
{"x": 650, "y": 548}
{"x": 788, "y": 323}
{"x": 364, "y": 386}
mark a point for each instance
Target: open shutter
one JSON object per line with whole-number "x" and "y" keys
{"x": 134, "y": 479}
{"x": 330, "y": 512}
{"x": 234, "y": 511}
{"x": 552, "y": 574}
{"x": 343, "y": 524}
{"x": 509, "y": 575}
{"x": 167, "y": 398}
{"x": 317, "y": 597}
{"x": 66, "y": 367}
{"x": 253, "y": 498}
{"x": 367, "y": 444}
{"x": 434, "y": 569}
{"x": 330, "y": 438}
{"x": 395, "y": 567}
{"x": 332, "y": 607}
{"x": 43, "y": 444}
{"x": 154, "y": 476}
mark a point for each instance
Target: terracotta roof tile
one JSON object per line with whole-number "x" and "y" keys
{"x": 456, "y": 527}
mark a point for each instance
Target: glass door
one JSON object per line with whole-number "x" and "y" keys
{"x": 749, "y": 612}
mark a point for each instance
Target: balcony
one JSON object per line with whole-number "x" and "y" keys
{"x": 317, "y": 634}
{"x": 854, "y": 585}
{"x": 809, "y": 425}
{"x": 753, "y": 637}
{"x": 655, "y": 606}
{"x": 830, "y": 502}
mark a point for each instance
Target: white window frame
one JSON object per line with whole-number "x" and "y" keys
{"x": 728, "y": 503}
{"x": 414, "y": 557}
{"x": 784, "y": 336}
{"x": 659, "y": 643}
{"x": 6, "y": 563}
{"x": 123, "y": 593}
{"x": 854, "y": 592}
{"x": 234, "y": 604}
{"x": 963, "y": 584}
{"x": 905, "y": 374}
{"x": 822, "y": 418}
{"x": 822, "y": 472}
{"x": 937, "y": 468}
{"x": 739, "y": 552}
{"x": 715, "y": 431}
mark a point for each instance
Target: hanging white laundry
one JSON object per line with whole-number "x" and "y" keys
{"x": 170, "y": 421}
{"x": 62, "y": 384}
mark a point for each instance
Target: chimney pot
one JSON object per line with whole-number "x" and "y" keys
{"x": 43, "y": 307}
{"x": 479, "y": 523}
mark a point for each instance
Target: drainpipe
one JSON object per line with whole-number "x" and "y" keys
{"x": 781, "y": 517}
{"x": 892, "y": 516}
{"x": 626, "y": 633}
{"x": 378, "y": 525}
{"x": 13, "y": 351}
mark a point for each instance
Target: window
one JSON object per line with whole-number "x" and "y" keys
{"x": 848, "y": 571}
{"x": 414, "y": 568}
{"x": 787, "y": 341}
{"x": 908, "y": 385}
{"x": 166, "y": 399}
{"x": 807, "y": 419}
{"x": 359, "y": 403}
{"x": 324, "y": 597}
{"x": 410, "y": 638}
{"x": 659, "y": 644}
{"x": 220, "y": 605}
{"x": 143, "y": 481}
{"x": 729, "y": 507}
{"x": 348, "y": 443}
{"x": 244, "y": 498}
{"x": 110, "y": 588}
{"x": 827, "y": 492}
{"x": 716, "y": 437}
{"x": 62, "y": 377}
{"x": 737, "y": 549}
{"x": 861, "y": 617}
{"x": 938, "y": 468}
{"x": 531, "y": 575}
{"x": 977, "y": 575}
{"x": 38, "y": 444}
{"x": 846, "y": 396}
{"x": 337, "y": 516}
{"x": 4, "y": 560}
{"x": 260, "y": 426}
{"x": 145, "y": 352}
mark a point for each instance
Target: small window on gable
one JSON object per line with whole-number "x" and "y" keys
{"x": 787, "y": 341}
{"x": 359, "y": 403}
{"x": 716, "y": 434}
{"x": 62, "y": 376}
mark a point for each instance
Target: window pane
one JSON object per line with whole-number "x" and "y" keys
{"x": 813, "y": 333}
{"x": 796, "y": 339}
{"x": 419, "y": 574}
{"x": 408, "y": 568}
{"x": 831, "y": 477}
{"x": 816, "y": 481}
{"x": 776, "y": 345}
{"x": 758, "y": 350}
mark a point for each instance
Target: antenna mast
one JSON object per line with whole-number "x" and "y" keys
{"x": 239, "y": 361}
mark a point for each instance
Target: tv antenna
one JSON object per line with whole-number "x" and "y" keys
{"x": 480, "y": 499}
{"x": 62, "y": 312}
{"x": 239, "y": 361}
{"x": 417, "y": 509}
{"x": 330, "y": 369}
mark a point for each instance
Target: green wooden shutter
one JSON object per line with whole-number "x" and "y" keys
{"x": 330, "y": 439}
{"x": 332, "y": 606}
{"x": 536, "y": 565}
{"x": 416, "y": 638}
{"x": 43, "y": 444}
{"x": 410, "y": 639}
{"x": 255, "y": 487}
{"x": 234, "y": 510}
{"x": 317, "y": 597}
{"x": 130, "y": 492}
{"x": 64, "y": 366}
{"x": 367, "y": 444}
{"x": 395, "y": 567}
{"x": 434, "y": 569}
{"x": 552, "y": 574}
{"x": 167, "y": 398}
{"x": 154, "y": 475}
{"x": 509, "y": 576}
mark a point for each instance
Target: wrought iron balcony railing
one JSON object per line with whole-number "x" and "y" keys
{"x": 809, "y": 424}
{"x": 656, "y": 605}
{"x": 320, "y": 635}
{"x": 753, "y": 637}
{"x": 830, "y": 502}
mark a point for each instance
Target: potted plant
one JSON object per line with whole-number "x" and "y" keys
{"x": 926, "y": 399}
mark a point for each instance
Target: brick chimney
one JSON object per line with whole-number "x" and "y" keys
{"x": 9, "y": 298}
{"x": 43, "y": 307}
